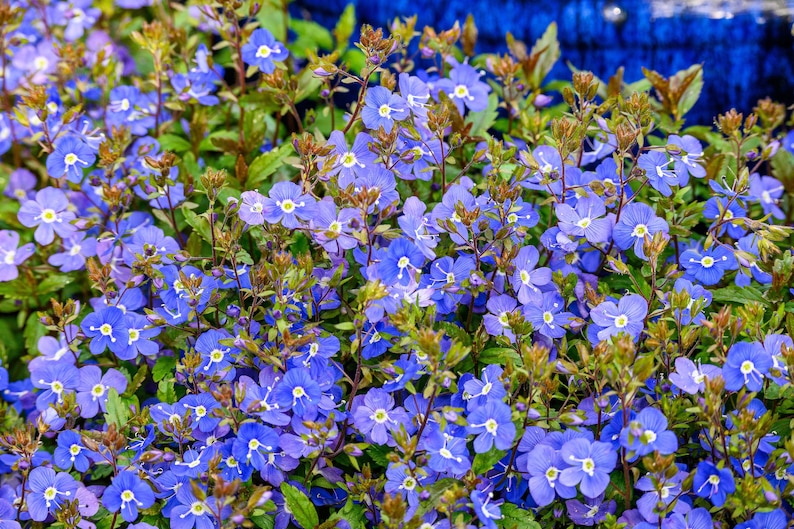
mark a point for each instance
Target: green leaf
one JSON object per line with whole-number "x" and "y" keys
{"x": 163, "y": 367}
{"x": 166, "y": 392}
{"x": 486, "y": 461}
{"x": 514, "y": 517}
{"x": 199, "y": 223}
{"x": 499, "y": 355}
{"x": 693, "y": 88}
{"x": 52, "y": 283}
{"x": 117, "y": 412}
{"x": 544, "y": 54}
{"x": 311, "y": 36}
{"x": 379, "y": 454}
{"x": 173, "y": 143}
{"x": 352, "y": 513}
{"x": 345, "y": 27}
{"x": 483, "y": 121}
{"x": 743, "y": 295}
{"x": 267, "y": 164}
{"x": 300, "y": 506}
{"x": 34, "y": 330}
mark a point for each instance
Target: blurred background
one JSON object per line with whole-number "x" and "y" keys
{"x": 746, "y": 46}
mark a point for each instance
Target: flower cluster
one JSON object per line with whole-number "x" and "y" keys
{"x": 254, "y": 277}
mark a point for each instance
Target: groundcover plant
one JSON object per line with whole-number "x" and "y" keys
{"x": 255, "y": 276}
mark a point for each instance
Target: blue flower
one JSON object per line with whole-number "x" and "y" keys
{"x": 71, "y": 452}
{"x": 375, "y": 415}
{"x": 382, "y": 108}
{"x": 128, "y": 493}
{"x": 299, "y": 392}
{"x": 746, "y": 366}
{"x": 647, "y": 433}
{"x": 486, "y": 509}
{"x": 657, "y": 170}
{"x": 286, "y": 204}
{"x": 107, "y": 330}
{"x": 708, "y": 266}
{"x": 637, "y": 223}
{"x": 548, "y": 318}
{"x": 713, "y": 483}
{"x": 526, "y": 278}
{"x": 69, "y": 158}
{"x": 263, "y": 51}
{"x": 401, "y": 262}
{"x": 493, "y": 425}
{"x": 590, "y": 465}
{"x": 447, "y": 452}
{"x": 465, "y": 89}
{"x": 55, "y": 379}
{"x": 254, "y": 443}
{"x": 722, "y": 207}
{"x": 545, "y": 465}
{"x": 48, "y": 492}
{"x": 585, "y": 220}
{"x": 627, "y": 316}
{"x": 215, "y": 357}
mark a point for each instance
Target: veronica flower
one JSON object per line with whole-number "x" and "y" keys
{"x": 12, "y": 255}
{"x": 486, "y": 509}
{"x": 661, "y": 490}
{"x": 447, "y": 452}
{"x": 589, "y": 465}
{"x": 72, "y": 452}
{"x": 252, "y": 208}
{"x": 697, "y": 294}
{"x": 415, "y": 93}
{"x": 288, "y": 205}
{"x": 148, "y": 242}
{"x": 713, "y": 483}
{"x": 401, "y": 262}
{"x": 298, "y": 391}
{"x": 21, "y": 185}
{"x": 382, "y": 183}
{"x": 202, "y": 406}
{"x": 590, "y": 512}
{"x": 687, "y": 155}
{"x": 107, "y": 330}
{"x": 465, "y": 89}
{"x": 75, "y": 251}
{"x": 254, "y": 443}
{"x": 190, "y": 511}
{"x": 647, "y": 433}
{"x": 48, "y": 214}
{"x": 127, "y": 493}
{"x": 526, "y": 278}
{"x": 585, "y": 220}
{"x": 545, "y": 465}
{"x": 79, "y": 16}
{"x": 767, "y": 191}
{"x": 727, "y": 210}
{"x": 746, "y": 366}
{"x": 263, "y": 51}
{"x": 776, "y": 519}
{"x": 493, "y": 425}
{"x": 497, "y": 321}
{"x": 657, "y": 169}
{"x": 55, "y": 379}
{"x": 333, "y": 229}
{"x": 708, "y": 266}
{"x": 690, "y": 378}
{"x": 92, "y": 392}
{"x": 139, "y": 337}
{"x": 69, "y": 158}
{"x": 637, "y": 222}
{"x": 548, "y": 318}
{"x": 773, "y": 345}
{"x": 376, "y": 417}
{"x": 403, "y": 480}
{"x": 382, "y": 108}
{"x": 353, "y": 162}
{"x": 48, "y": 492}
{"x": 627, "y": 316}
{"x": 215, "y": 357}
{"x": 479, "y": 392}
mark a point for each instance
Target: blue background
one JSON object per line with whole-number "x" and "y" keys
{"x": 746, "y": 47}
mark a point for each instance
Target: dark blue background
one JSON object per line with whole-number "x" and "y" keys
{"x": 747, "y": 49}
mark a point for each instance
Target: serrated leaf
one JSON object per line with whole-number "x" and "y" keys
{"x": 199, "y": 223}
{"x": 117, "y": 412}
{"x": 163, "y": 367}
{"x": 344, "y": 27}
{"x": 267, "y": 164}
{"x": 499, "y": 355}
{"x": 742, "y": 295}
{"x": 173, "y": 143}
{"x": 514, "y": 517}
{"x": 300, "y": 506}
{"x": 486, "y": 461}
{"x": 52, "y": 283}
{"x": 166, "y": 392}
